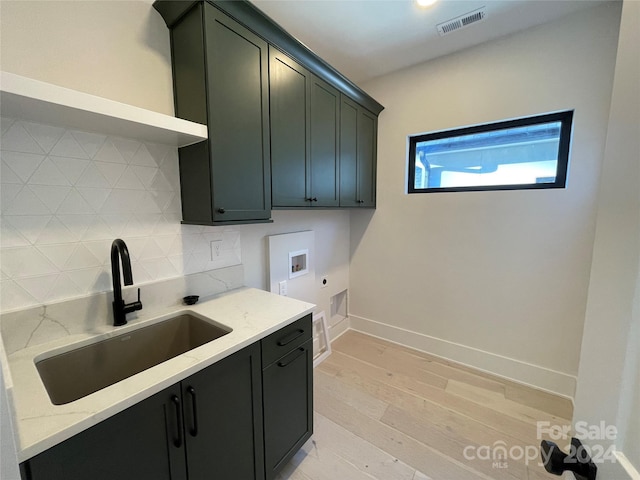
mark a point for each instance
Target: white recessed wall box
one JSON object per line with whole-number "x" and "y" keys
{"x": 298, "y": 263}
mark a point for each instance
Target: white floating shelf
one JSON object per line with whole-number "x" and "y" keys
{"x": 41, "y": 102}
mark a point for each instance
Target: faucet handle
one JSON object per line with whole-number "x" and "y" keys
{"x": 133, "y": 306}
{"x": 138, "y": 304}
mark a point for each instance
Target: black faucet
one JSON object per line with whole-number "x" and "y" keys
{"x": 120, "y": 309}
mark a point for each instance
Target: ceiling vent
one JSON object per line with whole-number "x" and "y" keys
{"x": 461, "y": 22}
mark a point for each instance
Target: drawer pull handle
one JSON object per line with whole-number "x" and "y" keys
{"x": 178, "y": 441}
{"x": 194, "y": 428}
{"x": 301, "y": 351}
{"x": 290, "y": 338}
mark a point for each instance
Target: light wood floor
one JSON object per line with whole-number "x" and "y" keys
{"x": 383, "y": 411}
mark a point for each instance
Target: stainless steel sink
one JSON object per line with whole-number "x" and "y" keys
{"x": 77, "y": 373}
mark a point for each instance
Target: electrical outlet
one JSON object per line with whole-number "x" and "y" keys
{"x": 324, "y": 281}
{"x": 216, "y": 245}
{"x": 282, "y": 288}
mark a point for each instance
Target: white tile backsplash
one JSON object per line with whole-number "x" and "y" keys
{"x": 65, "y": 195}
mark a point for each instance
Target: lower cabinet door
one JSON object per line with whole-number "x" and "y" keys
{"x": 223, "y": 419}
{"x": 144, "y": 442}
{"x": 288, "y": 406}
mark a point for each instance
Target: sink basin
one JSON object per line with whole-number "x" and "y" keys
{"x": 77, "y": 373}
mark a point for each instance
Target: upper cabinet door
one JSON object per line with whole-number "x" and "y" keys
{"x": 304, "y": 136}
{"x": 358, "y": 151}
{"x": 367, "y": 153}
{"x": 288, "y": 90}
{"x": 324, "y": 118}
{"x": 348, "y": 153}
{"x": 238, "y": 112}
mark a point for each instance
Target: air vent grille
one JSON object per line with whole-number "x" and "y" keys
{"x": 462, "y": 21}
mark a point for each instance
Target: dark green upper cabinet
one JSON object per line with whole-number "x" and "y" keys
{"x": 304, "y": 136}
{"x": 221, "y": 79}
{"x": 288, "y": 90}
{"x": 358, "y": 151}
{"x": 285, "y": 128}
{"x": 324, "y": 119}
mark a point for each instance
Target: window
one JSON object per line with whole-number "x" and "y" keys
{"x": 526, "y": 153}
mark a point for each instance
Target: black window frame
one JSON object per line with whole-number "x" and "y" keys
{"x": 566, "y": 119}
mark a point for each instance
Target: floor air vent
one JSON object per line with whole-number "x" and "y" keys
{"x": 462, "y": 21}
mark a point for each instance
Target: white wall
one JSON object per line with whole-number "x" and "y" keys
{"x": 609, "y": 376}
{"x": 331, "y": 246}
{"x": 496, "y": 279}
{"x": 113, "y": 49}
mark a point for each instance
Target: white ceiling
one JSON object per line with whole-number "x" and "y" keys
{"x": 364, "y": 39}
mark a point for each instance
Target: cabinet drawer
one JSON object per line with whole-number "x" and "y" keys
{"x": 288, "y": 407}
{"x": 286, "y": 339}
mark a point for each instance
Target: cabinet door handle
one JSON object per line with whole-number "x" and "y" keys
{"x": 300, "y": 352}
{"x": 290, "y": 338}
{"x": 177, "y": 442}
{"x": 221, "y": 210}
{"x": 194, "y": 428}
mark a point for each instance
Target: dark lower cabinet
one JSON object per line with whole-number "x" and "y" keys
{"x": 242, "y": 418}
{"x": 287, "y": 383}
{"x": 209, "y": 426}
{"x": 223, "y": 419}
{"x": 288, "y": 407}
{"x": 144, "y": 442}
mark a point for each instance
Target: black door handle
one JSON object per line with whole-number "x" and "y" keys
{"x": 555, "y": 461}
{"x": 300, "y": 352}
{"x": 221, "y": 210}
{"x": 290, "y": 338}
{"x": 177, "y": 442}
{"x": 194, "y": 427}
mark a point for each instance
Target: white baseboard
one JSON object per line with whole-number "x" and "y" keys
{"x": 339, "y": 328}
{"x": 528, "y": 374}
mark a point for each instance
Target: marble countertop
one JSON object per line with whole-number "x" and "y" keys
{"x": 39, "y": 425}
